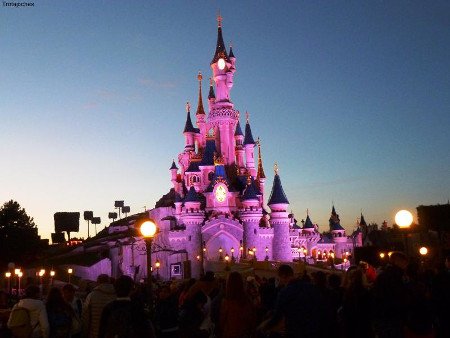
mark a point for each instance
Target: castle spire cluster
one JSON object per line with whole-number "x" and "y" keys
{"x": 217, "y": 201}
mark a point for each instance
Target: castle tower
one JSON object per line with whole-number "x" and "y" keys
{"x": 251, "y": 214}
{"x": 260, "y": 176}
{"x": 173, "y": 174}
{"x": 211, "y": 95}
{"x": 338, "y": 233}
{"x": 239, "y": 141}
{"x": 189, "y": 131}
{"x": 308, "y": 226}
{"x": 201, "y": 116}
{"x": 193, "y": 218}
{"x": 279, "y": 220}
{"x": 222, "y": 116}
{"x": 249, "y": 144}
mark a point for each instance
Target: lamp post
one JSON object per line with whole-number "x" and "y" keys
{"x": 69, "y": 272}
{"x": 305, "y": 251}
{"x": 404, "y": 219}
{"x": 157, "y": 266}
{"x": 41, "y": 276}
{"x": 227, "y": 260}
{"x": 52, "y": 275}
{"x": 254, "y": 253}
{"x": 148, "y": 230}
{"x": 19, "y": 275}
{"x": 267, "y": 253}
{"x": 220, "y": 254}
{"x": 8, "y": 277}
{"x": 241, "y": 252}
{"x": 233, "y": 259}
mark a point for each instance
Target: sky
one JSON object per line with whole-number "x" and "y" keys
{"x": 350, "y": 98}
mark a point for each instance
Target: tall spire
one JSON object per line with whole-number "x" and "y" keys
{"x": 200, "y": 110}
{"x": 188, "y": 127}
{"x": 221, "y": 51}
{"x": 211, "y": 90}
{"x": 238, "y": 131}
{"x": 277, "y": 195}
{"x": 260, "y": 165}
{"x": 248, "y": 132}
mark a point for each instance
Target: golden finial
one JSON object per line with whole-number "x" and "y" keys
{"x": 231, "y": 44}
{"x": 249, "y": 179}
{"x": 219, "y": 19}
{"x": 247, "y": 116}
{"x": 258, "y": 142}
{"x": 188, "y": 107}
{"x": 199, "y": 76}
{"x": 210, "y": 82}
{"x": 275, "y": 168}
{"x": 307, "y": 212}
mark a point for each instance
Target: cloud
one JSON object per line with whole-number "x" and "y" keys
{"x": 147, "y": 82}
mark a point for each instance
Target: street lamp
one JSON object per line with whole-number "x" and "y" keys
{"x": 52, "y": 275}
{"x": 157, "y": 266}
{"x": 382, "y": 255}
{"x": 148, "y": 230}
{"x": 19, "y": 275}
{"x": 69, "y": 271}
{"x": 304, "y": 254}
{"x": 254, "y": 253}
{"x": 423, "y": 251}
{"x": 267, "y": 253}
{"x": 404, "y": 219}
{"x": 8, "y": 276}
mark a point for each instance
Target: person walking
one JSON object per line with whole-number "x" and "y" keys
{"x": 237, "y": 313}
{"x": 36, "y": 310}
{"x": 60, "y": 315}
{"x": 93, "y": 306}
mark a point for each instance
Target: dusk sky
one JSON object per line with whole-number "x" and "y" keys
{"x": 351, "y": 98}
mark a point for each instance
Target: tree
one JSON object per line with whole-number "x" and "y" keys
{"x": 19, "y": 240}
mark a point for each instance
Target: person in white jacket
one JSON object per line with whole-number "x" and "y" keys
{"x": 38, "y": 313}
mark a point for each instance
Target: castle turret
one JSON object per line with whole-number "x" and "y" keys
{"x": 211, "y": 95}
{"x": 189, "y": 131}
{"x": 239, "y": 141}
{"x": 200, "y": 115}
{"x": 223, "y": 74}
{"x": 336, "y": 229}
{"x": 260, "y": 176}
{"x": 173, "y": 174}
{"x": 249, "y": 144}
{"x": 251, "y": 215}
{"x": 193, "y": 219}
{"x": 279, "y": 220}
{"x": 308, "y": 226}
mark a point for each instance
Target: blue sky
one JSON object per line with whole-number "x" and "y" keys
{"x": 352, "y": 99}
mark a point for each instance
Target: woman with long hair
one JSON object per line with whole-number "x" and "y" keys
{"x": 237, "y": 314}
{"x": 60, "y": 314}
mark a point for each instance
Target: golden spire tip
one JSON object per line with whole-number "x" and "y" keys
{"x": 219, "y": 19}
{"x": 199, "y": 76}
{"x": 275, "y": 168}
{"x": 188, "y": 107}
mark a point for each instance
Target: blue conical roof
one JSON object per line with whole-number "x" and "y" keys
{"x": 335, "y": 222}
{"x": 221, "y": 51}
{"x": 308, "y": 224}
{"x": 277, "y": 195}
{"x": 174, "y": 166}
{"x": 238, "y": 131}
{"x": 231, "y": 55}
{"x": 192, "y": 195}
{"x": 249, "y": 193}
{"x": 248, "y": 134}
{"x": 193, "y": 167}
{"x": 362, "y": 222}
{"x": 188, "y": 127}
{"x": 208, "y": 154}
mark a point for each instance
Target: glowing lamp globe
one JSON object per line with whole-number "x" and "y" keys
{"x": 52, "y": 273}
{"x": 404, "y": 219}
{"x": 8, "y": 274}
{"x": 382, "y": 255}
{"x": 423, "y": 251}
{"x": 221, "y": 63}
{"x": 148, "y": 229}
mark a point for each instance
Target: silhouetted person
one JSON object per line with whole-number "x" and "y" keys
{"x": 390, "y": 298}
{"x": 237, "y": 313}
{"x": 192, "y": 316}
{"x": 300, "y": 304}
{"x": 60, "y": 314}
{"x": 441, "y": 299}
{"x": 166, "y": 313}
{"x": 356, "y": 307}
{"x": 123, "y": 318}
{"x": 101, "y": 295}
{"x": 38, "y": 313}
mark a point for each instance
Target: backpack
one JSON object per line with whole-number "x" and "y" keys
{"x": 60, "y": 324}
{"x": 119, "y": 324}
{"x": 20, "y": 322}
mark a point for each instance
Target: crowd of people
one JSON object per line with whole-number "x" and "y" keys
{"x": 402, "y": 299}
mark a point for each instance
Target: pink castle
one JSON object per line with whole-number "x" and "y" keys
{"x": 215, "y": 210}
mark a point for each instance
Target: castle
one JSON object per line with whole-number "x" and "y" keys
{"x": 215, "y": 210}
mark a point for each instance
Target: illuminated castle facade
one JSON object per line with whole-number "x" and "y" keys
{"x": 215, "y": 211}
